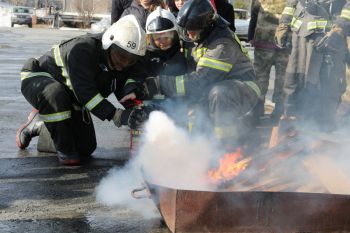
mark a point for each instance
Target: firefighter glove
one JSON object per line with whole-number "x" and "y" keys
{"x": 152, "y": 86}
{"x": 282, "y": 35}
{"x": 333, "y": 41}
{"x": 134, "y": 118}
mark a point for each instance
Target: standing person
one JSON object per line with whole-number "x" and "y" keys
{"x": 118, "y": 7}
{"x": 142, "y": 8}
{"x": 223, "y": 82}
{"x": 72, "y": 80}
{"x": 262, "y": 27}
{"x": 316, "y": 68}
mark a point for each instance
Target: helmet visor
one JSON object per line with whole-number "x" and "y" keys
{"x": 120, "y": 58}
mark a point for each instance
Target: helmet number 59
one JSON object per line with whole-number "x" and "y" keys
{"x": 131, "y": 45}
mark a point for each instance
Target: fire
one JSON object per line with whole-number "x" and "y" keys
{"x": 229, "y": 167}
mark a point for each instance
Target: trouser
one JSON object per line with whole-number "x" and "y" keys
{"x": 313, "y": 85}
{"x": 227, "y": 112}
{"x": 71, "y": 129}
{"x": 264, "y": 59}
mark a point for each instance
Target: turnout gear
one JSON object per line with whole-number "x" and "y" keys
{"x": 127, "y": 34}
{"x": 29, "y": 130}
{"x": 71, "y": 81}
{"x": 222, "y": 86}
{"x": 310, "y": 93}
{"x": 196, "y": 15}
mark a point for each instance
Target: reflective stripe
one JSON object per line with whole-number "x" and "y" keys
{"x": 180, "y": 85}
{"x": 254, "y": 86}
{"x": 198, "y": 53}
{"x": 345, "y": 14}
{"x": 130, "y": 80}
{"x": 225, "y": 132}
{"x": 296, "y": 23}
{"x": 215, "y": 64}
{"x": 25, "y": 75}
{"x": 322, "y": 24}
{"x": 94, "y": 101}
{"x": 55, "y": 117}
{"x": 288, "y": 10}
{"x": 59, "y": 62}
{"x": 243, "y": 49}
{"x": 186, "y": 53}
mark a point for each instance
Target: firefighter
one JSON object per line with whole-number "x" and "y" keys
{"x": 163, "y": 55}
{"x": 315, "y": 72}
{"x": 72, "y": 80}
{"x": 262, "y": 26}
{"x": 222, "y": 84}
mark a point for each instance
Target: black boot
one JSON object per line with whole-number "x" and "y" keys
{"x": 68, "y": 159}
{"x": 29, "y": 130}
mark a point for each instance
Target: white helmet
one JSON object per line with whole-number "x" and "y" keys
{"x": 127, "y": 34}
{"x": 160, "y": 21}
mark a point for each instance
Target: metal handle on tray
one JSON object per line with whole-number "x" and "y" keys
{"x": 146, "y": 194}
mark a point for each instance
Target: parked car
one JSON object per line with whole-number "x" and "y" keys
{"x": 21, "y": 15}
{"x": 242, "y": 19}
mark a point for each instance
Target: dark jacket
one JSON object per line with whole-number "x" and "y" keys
{"x": 218, "y": 57}
{"x": 81, "y": 65}
{"x": 118, "y": 7}
{"x": 156, "y": 62}
{"x": 138, "y": 11}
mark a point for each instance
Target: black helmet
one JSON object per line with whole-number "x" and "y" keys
{"x": 196, "y": 15}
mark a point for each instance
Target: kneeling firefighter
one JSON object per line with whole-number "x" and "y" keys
{"x": 72, "y": 80}
{"x": 222, "y": 84}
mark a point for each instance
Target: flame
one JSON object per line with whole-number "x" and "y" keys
{"x": 229, "y": 167}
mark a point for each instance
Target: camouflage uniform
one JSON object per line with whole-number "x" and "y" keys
{"x": 262, "y": 27}
{"x": 315, "y": 79}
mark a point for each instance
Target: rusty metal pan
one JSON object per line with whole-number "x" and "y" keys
{"x": 202, "y": 211}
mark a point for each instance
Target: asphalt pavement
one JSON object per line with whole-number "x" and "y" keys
{"x": 36, "y": 194}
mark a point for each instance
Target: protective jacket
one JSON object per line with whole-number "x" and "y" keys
{"x": 316, "y": 16}
{"x": 220, "y": 56}
{"x": 315, "y": 79}
{"x": 80, "y": 64}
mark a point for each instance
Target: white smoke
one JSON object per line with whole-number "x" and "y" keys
{"x": 167, "y": 156}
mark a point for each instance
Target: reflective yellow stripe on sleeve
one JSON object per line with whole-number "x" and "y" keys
{"x": 288, "y": 10}
{"x": 94, "y": 101}
{"x": 345, "y": 14}
{"x": 59, "y": 62}
{"x": 214, "y": 64}
{"x": 25, "y": 75}
{"x": 296, "y": 23}
{"x": 180, "y": 85}
{"x": 198, "y": 53}
{"x": 55, "y": 117}
{"x": 130, "y": 80}
{"x": 318, "y": 24}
